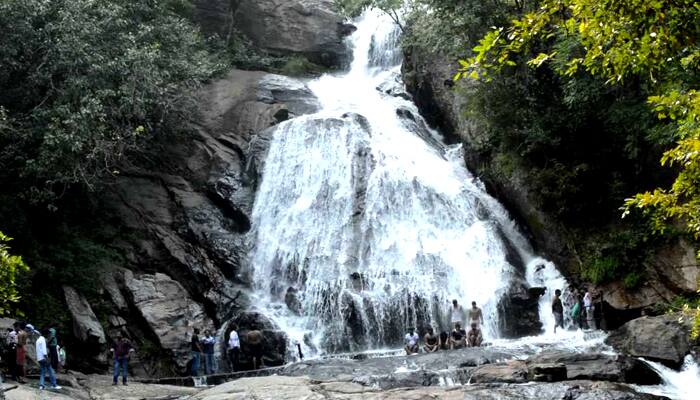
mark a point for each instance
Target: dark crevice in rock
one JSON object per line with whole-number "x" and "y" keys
{"x": 239, "y": 221}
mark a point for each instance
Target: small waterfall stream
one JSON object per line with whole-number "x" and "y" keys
{"x": 365, "y": 224}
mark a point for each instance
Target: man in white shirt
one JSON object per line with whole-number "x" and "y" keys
{"x": 42, "y": 356}
{"x": 234, "y": 348}
{"x": 411, "y": 341}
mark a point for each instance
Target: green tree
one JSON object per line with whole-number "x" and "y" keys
{"x": 85, "y": 83}
{"x": 10, "y": 268}
{"x": 392, "y": 8}
{"x": 656, "y": 41}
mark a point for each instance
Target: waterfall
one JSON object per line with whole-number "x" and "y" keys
{"x": 681, "y": 385}
{"x": 366, "y": 224}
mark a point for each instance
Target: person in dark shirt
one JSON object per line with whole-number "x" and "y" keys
{"x": 458, "y": 338}
{"x": 558, "y": 310}
{"x": 122, "y": 350}
{"x": 444, "y": 340}
{"x": 196, "y": 348}
{"x": 255, "y": 341}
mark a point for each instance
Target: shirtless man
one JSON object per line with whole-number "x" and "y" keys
{"x": 430, "y": 341}
{"x": 475, "y": 315}
{"x": 256, "y": 347}
{"x": 474, "y": 336}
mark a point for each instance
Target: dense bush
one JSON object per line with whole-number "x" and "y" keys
{"x": 87, "y": 82}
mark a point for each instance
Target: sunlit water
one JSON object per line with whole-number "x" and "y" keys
{"x": 369, "y": 225}
{"x": 365, "y": 224}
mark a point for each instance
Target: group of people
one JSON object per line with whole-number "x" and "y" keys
{"x": 49, "y": 353}
{"x": 204, "y": 348}
{"x": 456, "y": 339}
{"x": 584, "y": 309}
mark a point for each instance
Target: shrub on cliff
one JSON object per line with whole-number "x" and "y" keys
{"x": 86, "y": 82}
{"x": 11, "y": 267}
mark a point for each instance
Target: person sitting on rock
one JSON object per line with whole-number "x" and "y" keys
{"x": 474, "y": 336}
{"x": 444, "y": 340}
{"x": 255, "y": 342}
{"x": 430, "y": 341}
{"x": 411, "y": 342}
{"x": 458, "y": 337}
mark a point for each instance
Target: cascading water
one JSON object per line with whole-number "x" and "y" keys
{"x": 682, "y": 385}
{"x": 366, "y": 224}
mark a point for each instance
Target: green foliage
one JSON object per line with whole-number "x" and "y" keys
{"x": 300, "y": 66}
{"x": 87, "y": 82}
{"x": 654, "y": 41}
{"x": 353, "y": 8}
{"x": 616, "y": 255}
{"x": 11, "y": 267}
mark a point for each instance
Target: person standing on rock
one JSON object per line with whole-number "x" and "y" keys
{"x": 208, "y": 343}
{"x": 411, "y": 342}
{"x": 456, "y": 313}
{"x": 255, "y": 339}
{"x": 430, "y": 341}
{"x": 196, "y": 348}
{"x": 21, "y": 353}
{"x": 234, "y": 348}
{"x": 458, "y": 337}
{"x": 42, "y": 356}
{"x": 11, "y": 354}
{"x": 474, "y": 336}
{"x": 588, "y": 306}
{"x": 558, "y": 310}
{"x": 475, "y": 315}
{"x": 122, "y": 351}
{"x": 53, "y": 348}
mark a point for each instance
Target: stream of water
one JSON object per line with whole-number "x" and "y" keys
{"x": 366, "y": 223}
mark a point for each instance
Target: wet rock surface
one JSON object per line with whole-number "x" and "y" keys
{"x": 663, "y": 338}
{"x": 283, "y": 387}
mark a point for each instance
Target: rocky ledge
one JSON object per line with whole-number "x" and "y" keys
{"x": 284, "y": 387}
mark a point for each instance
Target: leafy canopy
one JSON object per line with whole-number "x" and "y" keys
{"x": 656, "y": 41}
{"x": 10, "y": 268}
{"x": 86, "y": 82}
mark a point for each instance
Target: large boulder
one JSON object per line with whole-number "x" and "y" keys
{"x": 86, "y": 326}
{"x": 169, "y": 312}
{"x": 274, "y": 339}
{"x": 310, "y": 28}
{"x": 665, "y": 338}
{"x": 598, "y": 367}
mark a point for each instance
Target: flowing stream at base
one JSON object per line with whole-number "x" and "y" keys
{"x": 366, "y": 223}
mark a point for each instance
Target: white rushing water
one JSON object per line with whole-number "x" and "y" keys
{"x": 365, "y": 224}
{"x": 680, "y": 385}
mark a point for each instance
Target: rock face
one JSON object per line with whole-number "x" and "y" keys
{"x": 170, "y": 313}
{"x": 661, "y": 338}
{"x": 308, "y": 28}
{"x": 185, "y": 219}
{"x": 86, "y": 327}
